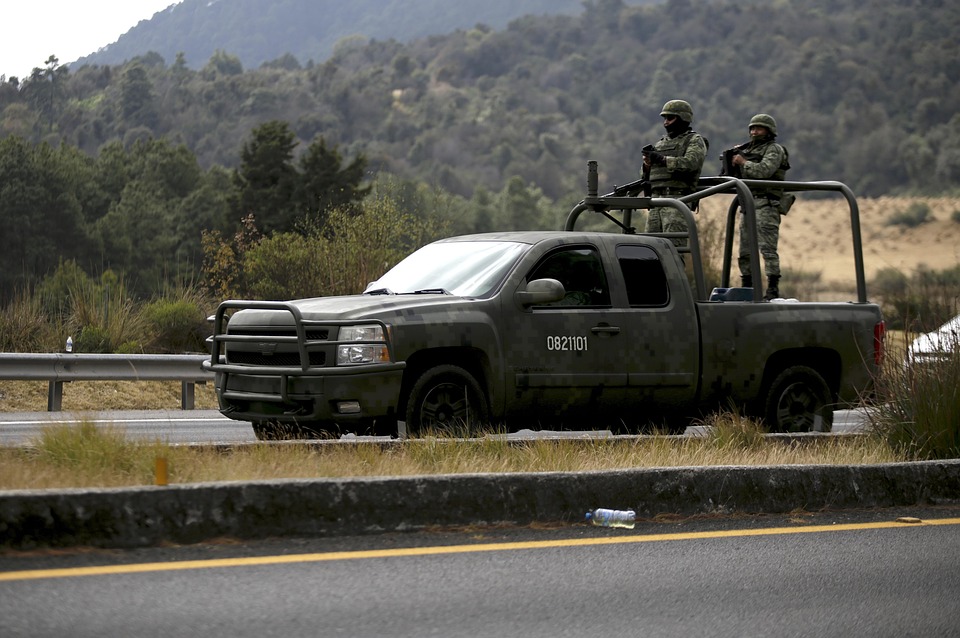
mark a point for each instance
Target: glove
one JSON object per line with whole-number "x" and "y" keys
{"x": 657, "y": 158}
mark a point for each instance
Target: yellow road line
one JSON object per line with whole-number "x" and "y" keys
{"x": 253, "y": 561}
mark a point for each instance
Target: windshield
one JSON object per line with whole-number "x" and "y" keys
{"x": 461, "y": 268}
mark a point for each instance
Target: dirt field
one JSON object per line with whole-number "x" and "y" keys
{"x": 815, "y": 237}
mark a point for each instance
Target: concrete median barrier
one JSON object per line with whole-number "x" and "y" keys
{"x": 143, "y": 516}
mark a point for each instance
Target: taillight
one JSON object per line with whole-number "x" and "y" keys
{"x": 879, "y": 335}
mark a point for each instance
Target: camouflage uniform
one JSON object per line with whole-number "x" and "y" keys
{"x": 765, "y": 160}
{"x": 684, "y": 151}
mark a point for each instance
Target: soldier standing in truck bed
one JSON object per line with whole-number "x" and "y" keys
{"x": 763, "y": 158}
{"x": 673, "y": 166}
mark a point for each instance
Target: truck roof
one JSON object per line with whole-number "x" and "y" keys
{"x": 529, "y": 236}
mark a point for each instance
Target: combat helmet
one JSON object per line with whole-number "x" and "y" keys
{"x": 680, "y": 108}
{"x": 767, "y": 121}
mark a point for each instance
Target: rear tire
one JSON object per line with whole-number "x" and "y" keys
{"x": 799, "y": 400}
{"x": 447, "y": 399}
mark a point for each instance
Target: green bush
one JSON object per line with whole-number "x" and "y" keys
{"x": 178, "y": 325}
{"x": 955, "y": 217}
{"x": 352, "y": 248}
{"x": 916, "y": 213}
{"x": 360, "y": 248}
{"x": 55, "y": 291}
{"x": 129, "y": 347}
{"x": 94, "y": 339}
{"x": 286, "y": 266}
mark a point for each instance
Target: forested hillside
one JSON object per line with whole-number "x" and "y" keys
{"x": 864, "y": 92}
{"x": 143, "y": 156}
{"x": 258, "y": 31}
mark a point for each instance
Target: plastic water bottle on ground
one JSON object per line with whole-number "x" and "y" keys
{"x": 602, "y": 517}
{"x": 69, "y": 346}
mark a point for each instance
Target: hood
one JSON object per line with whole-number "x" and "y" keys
{"x": 350, "y": 307}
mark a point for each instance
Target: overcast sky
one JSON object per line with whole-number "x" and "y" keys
{"x": 68, "y": 29}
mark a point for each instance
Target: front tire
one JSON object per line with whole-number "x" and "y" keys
{"x": 799, "y": 400}
{"x": 447, "y": 399}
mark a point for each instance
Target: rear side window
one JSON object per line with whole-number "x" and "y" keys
{"x": 643, "y": 273}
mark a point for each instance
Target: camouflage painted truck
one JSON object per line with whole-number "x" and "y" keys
{"x": 553, "y": 329}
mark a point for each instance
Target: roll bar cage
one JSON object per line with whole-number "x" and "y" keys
{"x": 610, "y": 203}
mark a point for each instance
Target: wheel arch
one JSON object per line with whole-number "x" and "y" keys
{"x": 473, "y": 360}
{"x": 826, "y": 362}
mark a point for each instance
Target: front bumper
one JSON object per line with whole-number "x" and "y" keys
{"x": 273, "y": 364}
{"x": 287, "y": 395}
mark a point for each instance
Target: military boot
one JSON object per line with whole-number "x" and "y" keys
{"x": 746, "y": 281}
{"x": 773, "y": 289}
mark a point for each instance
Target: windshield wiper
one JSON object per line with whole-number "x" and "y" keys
{"x": 379, "y": 291}
{"x": 431, "y": 291}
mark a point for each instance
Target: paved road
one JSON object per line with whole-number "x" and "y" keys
{"x": 840, "y": 574}
{"x": 209, "y": 426}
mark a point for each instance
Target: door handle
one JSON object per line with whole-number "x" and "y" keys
{"x": 605, "y": 329}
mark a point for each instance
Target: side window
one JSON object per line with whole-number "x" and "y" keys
{"x": 643, "y": 273}
{"x": 581, "y": 273}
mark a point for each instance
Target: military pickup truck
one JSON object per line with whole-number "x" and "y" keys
{"x": 555, "y": 329}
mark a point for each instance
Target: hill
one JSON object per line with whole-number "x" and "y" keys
{"x": 258, "y": 31}
{"x": 123, "y": 167}
{"x": 865, "y": 92}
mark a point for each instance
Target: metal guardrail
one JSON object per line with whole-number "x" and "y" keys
{"x": 58, "y": 368}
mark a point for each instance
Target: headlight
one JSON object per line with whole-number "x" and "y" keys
{"x": 361, "y": 333}
{"x": 362, "y": 353}
{"x": 356, "y": 355}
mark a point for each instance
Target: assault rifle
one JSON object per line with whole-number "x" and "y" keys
{"x": 633, "y": 189}
{"x": 727, "y": 167}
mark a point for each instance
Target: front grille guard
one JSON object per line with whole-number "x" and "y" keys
{"x": 304, "y": 345}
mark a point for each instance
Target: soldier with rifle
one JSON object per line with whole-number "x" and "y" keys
{"x": 672, "y": 165}
{"x": 762, "y": 158}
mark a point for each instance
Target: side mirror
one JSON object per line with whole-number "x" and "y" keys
{"x": 540, "y": 291}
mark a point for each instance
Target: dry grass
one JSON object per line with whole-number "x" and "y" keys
{"x": 815, "y": 238}
{"x": 89, "y": 396}
{"x": 86, "y": 455}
